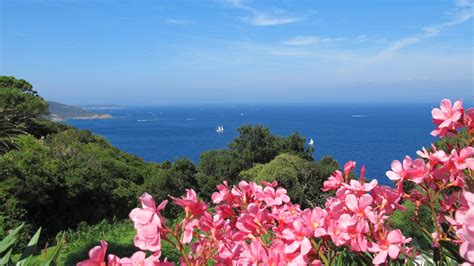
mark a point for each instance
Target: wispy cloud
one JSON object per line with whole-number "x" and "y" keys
{"x": 363, "y": 38}
{"x": 178, "y": 21}
{"x": 306, "y": 40}
{"x": 262, "y": 19}
{"x": 267, "y": 18}
{"x": 462, "y": 12}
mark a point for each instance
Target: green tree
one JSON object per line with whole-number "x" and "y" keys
{"x": 8, "y": 132}
{"x": 172, "y": 181}
{"x": 301, "y": 178}
{"x": 19, "y": 84}
{"x": 295, "y": 144}
{"x": 216, "y": 166}
{"x": 255, "y": 144}
{"x": 19, "y": 103}
{"x": 72, "y": 173}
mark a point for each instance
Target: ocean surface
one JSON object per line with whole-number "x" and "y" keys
{"x": 371, "y": 134}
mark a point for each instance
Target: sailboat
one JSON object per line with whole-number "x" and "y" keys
{"x": 220, "y": 129}
{"x": 311, "y": 142}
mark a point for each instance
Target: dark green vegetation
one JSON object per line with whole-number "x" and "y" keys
{"x": 298, "y": 175}
{"x": 59, "y": 177}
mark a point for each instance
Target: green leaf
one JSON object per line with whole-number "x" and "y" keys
{"x": 28, "y": 252}
{"x": 452, "y": 250}
{"x": 54, "y": 256}
{"x": 6, "y": 259}
{"x": 10, "y": 239}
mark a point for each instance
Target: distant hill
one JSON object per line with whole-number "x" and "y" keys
{"x": 61, "y": 112}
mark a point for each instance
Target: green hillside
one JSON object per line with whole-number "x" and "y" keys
{"x": 61, "y": 112}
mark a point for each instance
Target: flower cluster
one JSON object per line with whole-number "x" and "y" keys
{"x": 257, "y": 224}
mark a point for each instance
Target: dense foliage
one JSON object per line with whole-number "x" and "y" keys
{"x": 304, "y": 179}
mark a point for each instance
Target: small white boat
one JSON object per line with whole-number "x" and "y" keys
{"x": 311, "y": 142}
{"x": 220, "y": 129}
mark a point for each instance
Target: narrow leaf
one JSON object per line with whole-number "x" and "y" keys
{"x": 10, "y": 239}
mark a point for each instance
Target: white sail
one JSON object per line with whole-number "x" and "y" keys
{"x": 220, "y": 129}
{"x": 311, "y": 142}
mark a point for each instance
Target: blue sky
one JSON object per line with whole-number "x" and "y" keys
{"x": 156, "y": 52}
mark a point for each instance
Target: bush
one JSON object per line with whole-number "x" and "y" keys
{"x": 303, "y": 179}
{"x": 71, "y": 172}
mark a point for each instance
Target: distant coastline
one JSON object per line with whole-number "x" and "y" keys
{"x": 61, "y": 112}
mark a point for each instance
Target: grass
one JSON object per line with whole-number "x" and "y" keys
{"x": 118, "y": 234}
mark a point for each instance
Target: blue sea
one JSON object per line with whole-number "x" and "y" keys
{"x": 371, "y": 134}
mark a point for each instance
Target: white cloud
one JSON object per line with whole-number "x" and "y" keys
{"x": 306, "y": 40}
{"x": 178, "y": 21}
{"x": 260, "y": 18}
{"x": 464, "y": 3}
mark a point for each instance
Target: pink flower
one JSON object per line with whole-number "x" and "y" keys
{"x": 361, "y": 206}
{"x": 447, "y": 118}
{"x": 338, "y": 229}
{"x": 188, "y": 231}
{"x": 148, "y": 238}
{"x": 388, "y": 245}
{"x": 348, "y": 167}
{"x": 149, "y": 213}
{"x": 297, "y": 237}
{"x": 467, "y": 247}
{"x": 315, "y": 219}
{"x": 360, "y": 187}
{"x": 469, "y": 118}
{"x": 223, "y": 194}
{"x": 190, "y": 204}
{"x": 254, "y": 223}
{"x": 334, "y": 181}
{"x": 415, "y": 171}
{"x": 96, "y": 256}
{"x": 272, "y": 197}
{"x": 138, "y": 259}
{"x": 435, "y": 156}
{"x": 463, "y": 160}
{"x": 357, "y": 234}
{"x": 398, "y": 170}
{"x": 148, "y": 223}
{"x": 387, "y": 199}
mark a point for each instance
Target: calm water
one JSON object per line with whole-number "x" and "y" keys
{"x": 373, "y": 135}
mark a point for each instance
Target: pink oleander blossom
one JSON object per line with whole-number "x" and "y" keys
{"x": 190, "y": 203}
{"x": 296, "y": 237}
{"x": 334, "y": 181}
{"x": 96, "y": 256}
{"x": 469, "y": 118}
{"x": 148, "y": 223}
{"x": 360, "y": 187}
{"x": 467, "y": 247}
{"x": 464, "y": 159}
{"x": 361, "y": 206}
{"x": 338, "y": 229}
{"x": 348, "y": 167}
{"x": 315, "y": 219}
{"x": 415, "y": 171}
{"x": 388, "y": 245}
{"x": 447, "y": 118}
{"x": 274, "y": 197}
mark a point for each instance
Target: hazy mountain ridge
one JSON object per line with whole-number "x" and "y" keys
{"x": 61, "y": 112}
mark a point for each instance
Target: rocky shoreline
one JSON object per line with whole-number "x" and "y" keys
{"x": 57, "y": 118}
